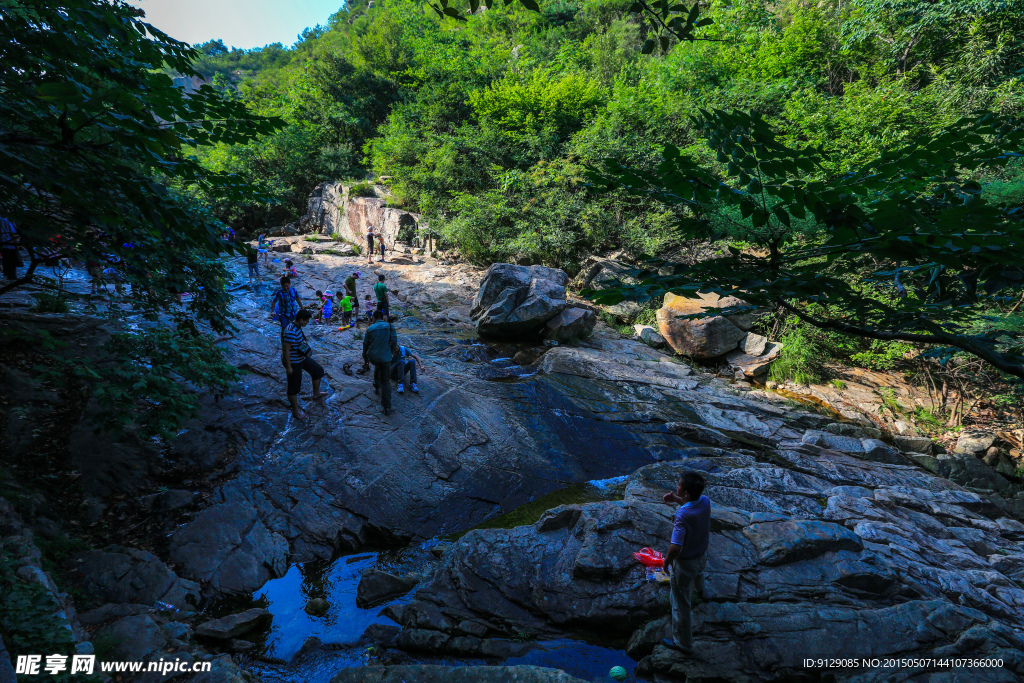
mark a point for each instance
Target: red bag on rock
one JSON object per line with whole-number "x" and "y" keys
{"x": 650, "y": 558}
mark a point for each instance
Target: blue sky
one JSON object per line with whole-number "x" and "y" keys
{"x": 239, "y": 23}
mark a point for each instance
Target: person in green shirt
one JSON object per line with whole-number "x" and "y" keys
{"x": 350, "y": 290}
{"x": 379, "y": 344}
{"x": 346, "y": 310}
{"x": 381, "y": 290}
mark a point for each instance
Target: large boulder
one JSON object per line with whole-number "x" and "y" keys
{"x": 706, "y": 337}
{"x": 516, "y": 301}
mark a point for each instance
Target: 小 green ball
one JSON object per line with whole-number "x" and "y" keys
{"x": 618, "y": 673}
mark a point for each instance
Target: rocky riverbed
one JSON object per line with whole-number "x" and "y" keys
{"x": 827, "y": 541}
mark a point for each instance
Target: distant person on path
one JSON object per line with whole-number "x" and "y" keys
{"x": 406, "y": 362}
{"x": 285, "y": 304}
{"x": 369, "y": 244}
{"x": 350, "y": 290}
{"x": 380, "y": 344}
{"x": 289, "y": 269}
{"x": 381, "y": 290}
{"x": 687, "y": 555}
{"x": 253, "y": 261}
{"x": 298, "y": 356}
{"x": 9, "y": 249}
{"x": 263, "y": 247}
{"x": 381, "y": 240}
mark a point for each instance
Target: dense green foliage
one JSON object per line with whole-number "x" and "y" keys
{"x": 96, "y": 144}
{"x": 491, "y": 119}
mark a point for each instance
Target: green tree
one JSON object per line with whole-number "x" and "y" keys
{"x": 93, "y": 133}
{"x": 908, "y": 248}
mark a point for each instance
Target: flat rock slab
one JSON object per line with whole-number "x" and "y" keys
{"x": 235, "y": 625}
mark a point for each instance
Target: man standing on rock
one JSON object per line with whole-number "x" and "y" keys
{"x": 687, "y": 555}
{"x": 379, "y": 346}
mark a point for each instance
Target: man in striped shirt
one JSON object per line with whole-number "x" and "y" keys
{"x": 298, "y": 356}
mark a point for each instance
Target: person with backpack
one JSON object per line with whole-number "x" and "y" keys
{"x": 406, "y": 362}
{"x": 297, "y": 356}
{"x": 380, "y": 346}
{"x": 285, "y": 304}
{"x": 381, "y": 290}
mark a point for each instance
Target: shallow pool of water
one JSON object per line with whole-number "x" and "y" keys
{"x": 342, "y": 625}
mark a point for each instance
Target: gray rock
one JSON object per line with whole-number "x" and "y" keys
{"x": 376, "y": 587}
{"x": 650, "y": 336}
{"x": 974, "y": 441}
{"x": 228, "y": 546}
{"x": 785, "y": 542}
{"x": 753, "y": 344}
{"x": 429, "y": 673}
{"x": 131, "y": 638}
{"x": 570, "y": 325}
{"x": 516, "y": 301}
{"x": 913, "y": 444}
{"x": 751, "y": 365}
{"x": 120, "y": 574}
{"x": 234, "y": 625}
{"x": 382, "y": 634}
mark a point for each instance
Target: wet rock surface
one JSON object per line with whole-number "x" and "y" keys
{"x": 819, "y": 546}
{"x": 445, "y": 674}
{"x": 825, "y": 538}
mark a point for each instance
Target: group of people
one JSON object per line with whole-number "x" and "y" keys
{"x": 390, "y": 360}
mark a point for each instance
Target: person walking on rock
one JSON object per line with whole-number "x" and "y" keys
{"x": 298, "y": 356}
{"x": 285, "y": 303}
{"x": 381, "y": 290}
{"x": 350, "y": 290}
{"x": 380, "y": 344}
{"x": 687, "y": 555}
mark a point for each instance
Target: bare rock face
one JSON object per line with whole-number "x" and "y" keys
{"x": 333, "y": 210}
{"x": 702, "y": 338}
{"x": 516, "y": 301}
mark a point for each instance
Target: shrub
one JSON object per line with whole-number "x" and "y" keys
{"x": 801, "y": 359}
{"x": 363, "y": 189}
{"x": 50, "y": 303}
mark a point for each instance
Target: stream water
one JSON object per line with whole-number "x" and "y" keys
{"x": 281, "y": 658}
